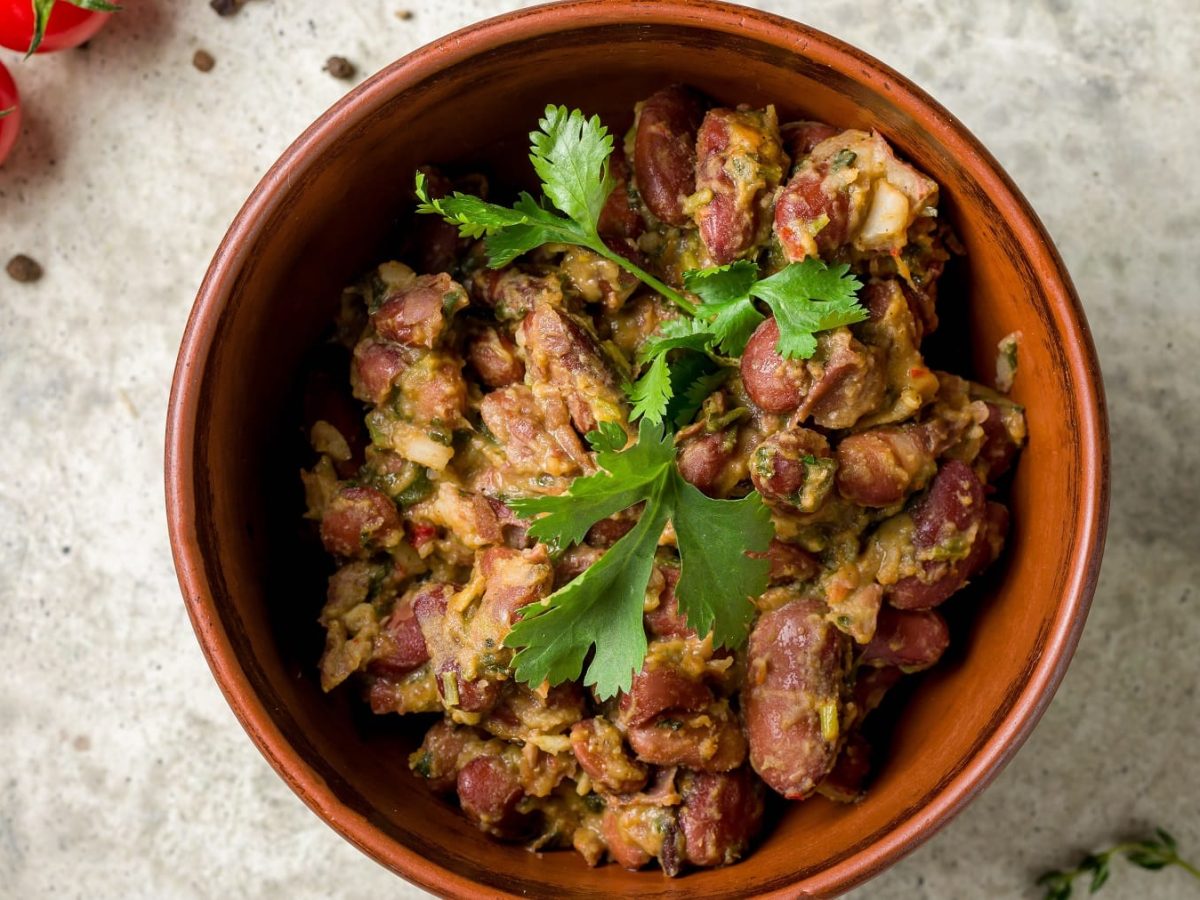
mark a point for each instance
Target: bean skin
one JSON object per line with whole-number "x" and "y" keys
{"x": 417, "y": 316}
{"x": 910, "y": 639}
{"x": 793, "y": 469}
{"x": 844, "y": 783}
{"x": 665, "y": 620}
{"x": 720, "y": 815}
{"x": 711, "y": 741}
{"x": 998, "y": 451}
{"x": 489, "y": 792}
{"x": 400, "y": 647}
{"x": 703, "y": 458}
{"x": 775, "y": 384}
{"x": 493, "y": 355}
{"x": 797, "y": 665}
{"x": 601, "y": 753}
{"x": 664, "y": 156}
{"x": 953, "y": 504}
{"x": 514, "y": 419}
{"x": 655, "y": 691}
{"x": 623, "y": 851}
{"x": 437, "y": 759}
{"x": 881, "y": 467}
{"x": 811, "y": 214}
{"x": 376, "y": 368}
{"x": 739, "y": 163}
{"x": 360, "y": 521}
{"x": 791, "y": 563}
{"x": 515, "y": 578}
{"x": 619, "y": 221}
{"x": 852, "y": 381}
{"x": 799, "y": 138}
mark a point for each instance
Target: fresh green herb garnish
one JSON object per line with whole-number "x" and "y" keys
{"x": 602, "y": 608}
{"x": 1152, "y": 854}
{"x": 806, "y": 297}
{"x": 570, "y": 153}
{"x": 41, "y": 15}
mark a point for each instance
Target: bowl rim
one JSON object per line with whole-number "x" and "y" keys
{"x": 713, "y": 15}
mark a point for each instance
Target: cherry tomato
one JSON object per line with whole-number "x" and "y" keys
{"x": 68, "y": 25}
{"x": 10, "y": 124}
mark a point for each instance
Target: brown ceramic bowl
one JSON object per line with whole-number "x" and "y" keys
{"x": 322, "y": 214}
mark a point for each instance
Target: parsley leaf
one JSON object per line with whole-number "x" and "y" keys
{"x": 602, "y": 608}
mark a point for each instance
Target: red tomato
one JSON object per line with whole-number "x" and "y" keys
{"x": 68, "y": 26}
{"x": 10, "y": 125}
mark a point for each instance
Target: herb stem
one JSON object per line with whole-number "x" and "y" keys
{"x": 1188, "y": 867}
{"x": 645, "y": 277}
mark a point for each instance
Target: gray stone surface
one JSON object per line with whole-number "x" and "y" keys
{"x": 123, "y": 772}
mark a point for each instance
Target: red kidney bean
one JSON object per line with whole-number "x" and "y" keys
{"x": 791, "y": 563}
{"x": 608, "y": 531}
{"x": 489, "y": 792}
{"x": 775, "y": 384}
{"x": 376, "y": 367}
{"x": 882, "y": 466}
{"x": 619, "y": 221}
{"x": 871, "y": 684}
{"x": 513, "y": 417}
{"x": 703, "y": 458}
{"x": 720, "y": 815}
{"x": 664, "y": 155}
{"x": 624, "y": 851}
{"x": 665, "y": 620}
{"x": 739, "y": 163}
{"x": 793, "y": 469}
{"x": 852, "y": 381}
{"x": 601, "y": 753}
{"x": 478, "y": 696}
{"x": 359, "y": 521}
{"x": 515, "y": 578}
{"x": 493, "y": 355}
{"x": 799, "y": 138}
{"x": 417, "y": 316}
{"x": 811, "y": 212}
{"x": 797, "y": 666}
{"x": 511, "y": 293}
{"x": 910, "y": 639}
{"x": 575, "y": 562}
{"x": 686, "y": 739}
{"x": 400, "y": 647}
{"x": 437, "y": 759}
{"x": 845, "y": 782}
{"x": 953, "y": 504}
{"x": 656, "y": 690}
{"x": 998, "y": 449}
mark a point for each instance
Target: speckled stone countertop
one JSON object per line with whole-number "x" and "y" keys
{"x": 122, "y": 771}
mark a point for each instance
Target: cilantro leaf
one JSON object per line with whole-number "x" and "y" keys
{"x": 714, "y": 595}
{"x": 652, "y": 392}
{"x": 570, "y": 154}
{"x": 727, "y": 310}
{"x": 600, "y": 612}
{"x": 808, "y": 297}
{"x": 692, "y": 387}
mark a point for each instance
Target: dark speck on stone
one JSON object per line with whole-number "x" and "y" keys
{"x": 203, "y": 60}
{"x": 226, "y": 7}
{"x": 23, "y": 269}
{"x": 66, "y": 550}
{"x": 339, "y": 67}
{"x": 404, "y": 15}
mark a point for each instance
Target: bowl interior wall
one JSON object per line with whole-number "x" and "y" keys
{"x": 334, "y": 221}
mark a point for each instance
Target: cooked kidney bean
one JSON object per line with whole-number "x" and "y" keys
{"x": 659, "y": 689}
{"x": 791, "y": 563}
{"x": 376, "y": 367}
{"x": 998, "y": 450}
{"x": 515, "y": 578}
{"x": 360, "y": 521}
{"x": 515, "y": 420}
{"x": 799, "y": 138}
{"x": 417, "y": 316}
{"x": 775, "y": 384}
{"x": 792, "y": 700}
{"x": 720, "y": 815}
{"x": 437, "y": 758}
{"x": 952, "y": 506}
{"x": 845, "y": 782}
{"x": 494, "y": 358}
{"x": 619, "y": 221}
{"x": 703, "y": 458}
{"x": 851, "y": 384}
{"x": 601, "y": 753}
{"x": 608, "y": 531}
{"x": 812, "y": 215}
{"x": 665, "y": 620}
{"x": 489, "y": 791}
{"x": 910, "y": 639}
{"x": 512, "y": 293}
{"x": 739, "y": 163}
{"x": 400, "y": 647}
{"x": 664, "y": 155}
{"x": 883, "y": 466}
{"x": 871, "y": 683}
{"x": 624, "y": 851}
{"x": 708, "y": 741}
{"x": 793, "y": 469}
{"x": 566, "y": 362}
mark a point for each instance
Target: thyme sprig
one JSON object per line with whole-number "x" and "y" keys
{"x": 1152, "y": 854}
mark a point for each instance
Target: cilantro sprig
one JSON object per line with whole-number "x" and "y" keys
{"x": 1151, "y": 854}
{"x": 570, "y": 154}
{"x": 599, "y": 613}
{"x": 806, "y": 297}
